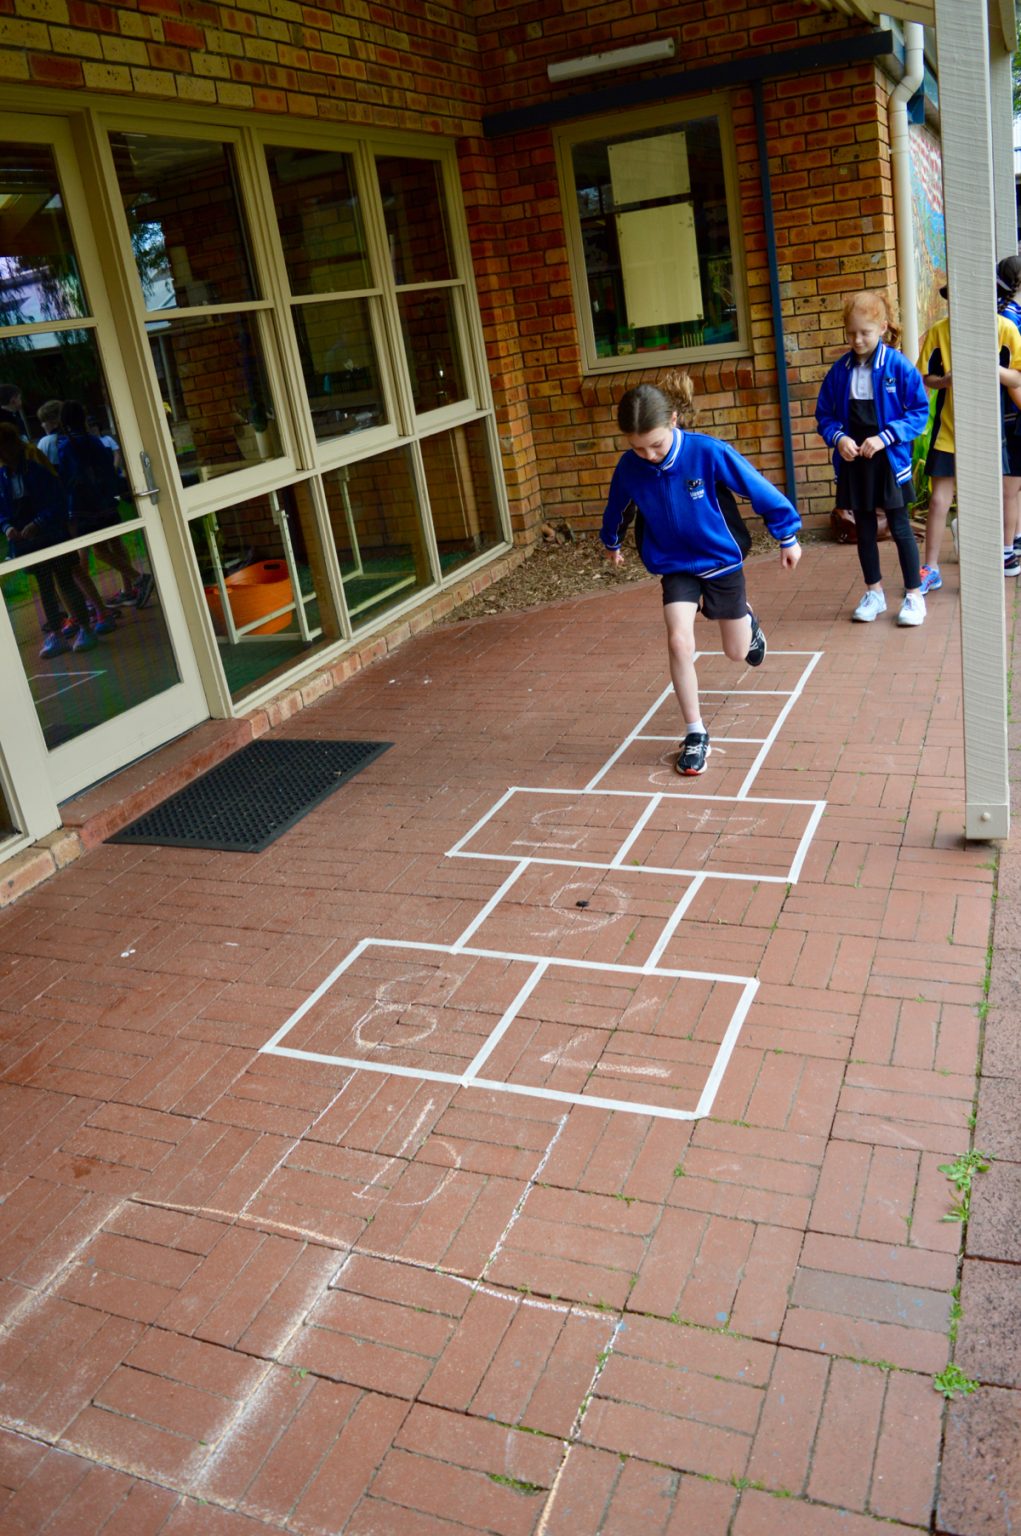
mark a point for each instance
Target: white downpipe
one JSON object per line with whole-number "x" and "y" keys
{"x": 900, "y": 165}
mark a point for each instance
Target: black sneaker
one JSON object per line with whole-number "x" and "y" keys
{"x": 1011, "y": 565}
{"x": 757, "y": 649}
{"x": 695, "y": 749}
{"x": 143, "y": 590}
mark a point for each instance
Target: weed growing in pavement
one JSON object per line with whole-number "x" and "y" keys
{"x": 952, "y": 1380}
{"x": 956, "y": 1311}
{"x": 518, "y": 1484}
{"x": 961, "y": 1172}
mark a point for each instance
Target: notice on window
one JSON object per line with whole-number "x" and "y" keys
{"x": 659, "y": 262}
{"x": 643, "y": 170}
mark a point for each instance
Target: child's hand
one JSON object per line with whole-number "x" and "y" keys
{"x": 789, "y": 556}
{"x": 848, "y": 449}
{"x": 615, "y": 556}
{"x": 871, "y": 446}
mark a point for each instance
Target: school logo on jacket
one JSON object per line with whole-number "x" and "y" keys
{"x": 890, "y": 384}
{"x": 696, "y": 488}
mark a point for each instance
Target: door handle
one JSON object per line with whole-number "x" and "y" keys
{"x": 151, "y": 488}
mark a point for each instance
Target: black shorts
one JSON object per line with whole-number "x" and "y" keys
{"x": 939, "y": 464}
{"x": 1011, "y": 452}
{"x": 718, "y": 597}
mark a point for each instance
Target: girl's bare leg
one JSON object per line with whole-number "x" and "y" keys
{"x": 680, "y": 641}
{"x": 940, "y": 497}
{"x": 736, "y": 637}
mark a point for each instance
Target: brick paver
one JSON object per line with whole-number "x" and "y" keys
{"x": 529, "y": 1237}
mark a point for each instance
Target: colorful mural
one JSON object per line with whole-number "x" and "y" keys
{"x": 928, "y": 226}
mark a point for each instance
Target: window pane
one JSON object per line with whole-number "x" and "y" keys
{"x": 377, "y": 530}
{"x": 51, "y": 370}
{"x": 319, "y": 219}
{"x": 416, "y": 220}
{"x": 338, "y": 359}
{"x": 39, "y": 277}
{"x": 263, "y": 554}
{"x": 656, "y": 238}
{"x": 7, "y": 827}
{"x": 430, "y": 340}
{"x": 215, "y": 392}
{"x": 462, "y": 496}
{"x": 188, "y": 232}
{"x": 76, "y": 685}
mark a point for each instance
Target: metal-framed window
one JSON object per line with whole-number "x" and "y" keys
{"x": 651, "y": 207}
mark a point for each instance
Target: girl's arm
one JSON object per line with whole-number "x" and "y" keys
{"x": 912, "y": 407}
{"x": 1010, "y": 379}
{"x": 778, "y": 514}
{"x": 618, "y": 516}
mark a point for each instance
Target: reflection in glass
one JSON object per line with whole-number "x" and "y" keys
{"x": 462, "y": 494}
{"x": 188, "y": 233}
{"x": 215, "y": 392}
{"x": 75, "y": 688}
{"x": 338, "y": 359}
{"x": 264, "y": 582}
{"x": 417, "y": 227}
{"x": 430, "y": 341}
{"x": 39, "y": 277}
{"x": 319, "y": 219}
{"x": 49, "y": 367}
{"x": 377, "y": 530}
{"x": 7, "y": 826}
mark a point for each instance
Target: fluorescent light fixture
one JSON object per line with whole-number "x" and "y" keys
{"x": 617, "y": 58}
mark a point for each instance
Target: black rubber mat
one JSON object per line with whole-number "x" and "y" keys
{"x": 249, "y": 799}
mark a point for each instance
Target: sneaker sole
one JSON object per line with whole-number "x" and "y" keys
{"x": 866, "y": 618}
{"x": 1015, "y": 572}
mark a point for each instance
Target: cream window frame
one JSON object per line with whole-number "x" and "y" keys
{"x": 232, "y": 484}
{"x": 625, "y": 125}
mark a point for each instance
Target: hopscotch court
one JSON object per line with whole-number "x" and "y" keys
{"x": 562, "y": 987}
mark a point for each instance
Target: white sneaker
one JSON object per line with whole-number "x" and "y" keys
{"x": 913, "y": 609}
{"x": 870, "y": 607}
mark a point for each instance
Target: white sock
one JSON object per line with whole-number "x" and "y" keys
{"x": 690, "y": 726}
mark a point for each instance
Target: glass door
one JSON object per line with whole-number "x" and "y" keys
{"x": 90, "y": 604}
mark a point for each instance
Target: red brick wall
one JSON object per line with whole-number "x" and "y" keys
{"x": 828, "y": 153}
{"x": 437, "y": 68}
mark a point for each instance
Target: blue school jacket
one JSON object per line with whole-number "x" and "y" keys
{"x": 902, "y": 406}
{"x": 681, "y": 526}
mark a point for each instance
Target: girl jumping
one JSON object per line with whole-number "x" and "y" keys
{"x": 672, "y": 482}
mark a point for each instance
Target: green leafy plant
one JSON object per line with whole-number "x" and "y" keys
{"x": 952, "y": 1382}
{"x": 961, "y": 1172}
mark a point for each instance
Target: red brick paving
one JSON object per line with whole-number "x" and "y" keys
{"x": 247, "y": 1293}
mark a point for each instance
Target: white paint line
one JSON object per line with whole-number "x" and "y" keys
{"x": 726, "y": 1050}
{"x": 636, "y": 831}
{"x": 452, "y": 852}
{"x": 718, "y": 741}
{"x": 320, "y": 991}
{"x": 798, "y": 862}
{"x": 652, "y": 710}
{"x": 760, "y": 756}
{"x": 493, "y": 901}
{"x": 591, "y": 1100}
{"x": 511, "y": 1012}
{"x": 670, "y": 926}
